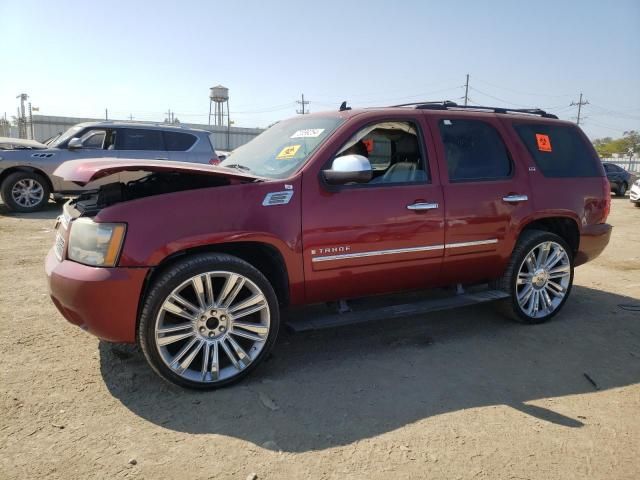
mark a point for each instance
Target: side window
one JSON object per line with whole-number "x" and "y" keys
{"x": 94, "y": 139}
{"x": 559, "y": 150}
{"x": 139, "y": 139}
{"x": 178, "y": 142}
{"x": 393, "y": 150}
{"x": 474, "y": 151}
{"x": 607, "y": 168}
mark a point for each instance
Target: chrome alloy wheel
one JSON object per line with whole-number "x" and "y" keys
{"x": 212, "y": 326}
{"x": 27, "y": 192}
{"x": 543, "y": 279}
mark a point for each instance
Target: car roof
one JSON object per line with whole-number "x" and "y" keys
{"x": 149, "y": 125}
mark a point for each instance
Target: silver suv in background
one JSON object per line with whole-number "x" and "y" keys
{"x": 26, "y": 180}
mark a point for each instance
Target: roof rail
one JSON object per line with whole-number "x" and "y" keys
{"x": 449, "y": 105}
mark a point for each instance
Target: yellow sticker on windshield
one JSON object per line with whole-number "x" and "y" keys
{"x": 288, "y": 152}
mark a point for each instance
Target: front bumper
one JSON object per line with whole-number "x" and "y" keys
{"x": 103, "y": 301}
{"x": 593, "y": 240}
{"x": 634, "y": 194}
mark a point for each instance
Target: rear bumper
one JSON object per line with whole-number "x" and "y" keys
{"x": 593, "y": 240}
{"x": 103, "y": 301}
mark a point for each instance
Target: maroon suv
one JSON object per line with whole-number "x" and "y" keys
{"x": 197, "y": 263}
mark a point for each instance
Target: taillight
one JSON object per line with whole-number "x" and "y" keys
{"x": 214, "y": 161}
{"x": 606, "y": 186}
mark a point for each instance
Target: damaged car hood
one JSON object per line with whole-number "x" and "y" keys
{"x": 82, "y": 172}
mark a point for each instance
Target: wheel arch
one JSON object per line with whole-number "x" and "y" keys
{"x": 26, "y": 168}
{"x": 263, "y": 256}
{"x": 565, "y": 227}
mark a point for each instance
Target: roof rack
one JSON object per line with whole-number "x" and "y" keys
{"x": 449, "y": 105}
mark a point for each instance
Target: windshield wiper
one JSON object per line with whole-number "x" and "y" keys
{"x": 237, "y": 166}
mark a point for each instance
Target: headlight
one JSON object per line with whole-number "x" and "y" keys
{"x": 95, "y": 244}
{"x": 638, "y": 183}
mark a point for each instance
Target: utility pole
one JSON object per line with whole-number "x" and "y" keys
{"x": 579, "y": 105}
{"x": 466, "y": 91}
{"x": 130, "y": 117}
{"x": 106, "y": 114}
{"x": 31, "y": 136}
{"x": 302, "y": 104}
{"x": 22, "y": 117}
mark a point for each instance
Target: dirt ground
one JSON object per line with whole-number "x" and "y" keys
{"x": 461, "y": 394}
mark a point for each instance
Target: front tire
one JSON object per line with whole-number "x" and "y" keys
{"x": 25, "y": 191}
{"x": 208, "y": 321}
{"x": 538, "y": 278}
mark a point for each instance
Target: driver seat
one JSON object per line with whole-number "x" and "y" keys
{"x": 407, "y": 167}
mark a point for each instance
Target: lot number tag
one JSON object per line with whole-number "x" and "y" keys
{"x": 288, "y": 152}
{"x": 308, "y": 133}
{"x": 544, "y": 144}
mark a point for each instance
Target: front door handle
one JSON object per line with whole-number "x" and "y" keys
{"x": 161, "y": 158}
{"x": 423, "y": 206}
{"x": 515, "y": 198}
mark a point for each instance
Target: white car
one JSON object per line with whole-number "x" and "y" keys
{"x": 634, "y": 193}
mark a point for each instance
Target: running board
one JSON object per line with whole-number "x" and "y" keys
{"x": 318, "y": 320}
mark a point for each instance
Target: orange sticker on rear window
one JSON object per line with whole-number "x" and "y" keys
{"x": 544, "y": 144}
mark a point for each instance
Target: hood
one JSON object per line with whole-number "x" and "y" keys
{"x": 82, "y": 172}
{"x": 7, "y": 143}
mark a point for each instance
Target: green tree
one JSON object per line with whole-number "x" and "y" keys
{"x": 607, "y": 146}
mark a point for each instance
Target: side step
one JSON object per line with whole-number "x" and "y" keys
{"x": 315, "y": 320}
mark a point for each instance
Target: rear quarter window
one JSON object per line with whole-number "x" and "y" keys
{"x": 139, "y": 139}
{"x": 559, "y": 150}
{"x": 178, "y": 142}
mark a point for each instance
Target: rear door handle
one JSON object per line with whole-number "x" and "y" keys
{"x": 515, "y": 198}
{"x": 423, "y": 206}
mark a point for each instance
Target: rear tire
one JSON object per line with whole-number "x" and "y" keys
{"x": 622, "y": 190}
{"x": 208, "y": 321}
{"x": 538, "y": 278}
{"x": 25, "y": 192}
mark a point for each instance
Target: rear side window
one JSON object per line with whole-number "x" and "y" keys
{"x": 178, "y": 142}
{"x": 139, "y": 139}
{"x": 559, "y": 150}
{"x": 474, "y": 151}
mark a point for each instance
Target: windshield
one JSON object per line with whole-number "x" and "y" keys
{"x": 72, "y": 132}
{"x": 283, "y": 148}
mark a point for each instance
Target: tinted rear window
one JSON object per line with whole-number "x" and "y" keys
{"x": 139, "y": 139}
{"x": 474, "y": 151}
{"x": 559, "y": 150}
{"x": 178, "y": 142}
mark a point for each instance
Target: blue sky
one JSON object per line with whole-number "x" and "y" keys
{"x": 143, "y": 57}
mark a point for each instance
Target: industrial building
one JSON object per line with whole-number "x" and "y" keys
{"x": 226, "y": 138}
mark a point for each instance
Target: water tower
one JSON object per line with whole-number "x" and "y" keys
{"x": 219, "y": 96}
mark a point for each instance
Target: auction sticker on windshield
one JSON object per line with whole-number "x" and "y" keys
{"x": 308, "y": 133}
{"x": 288, "y": 152}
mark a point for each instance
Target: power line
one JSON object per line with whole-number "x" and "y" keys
{"x": 499, "y": 99}
{"x": 522, "y": 93}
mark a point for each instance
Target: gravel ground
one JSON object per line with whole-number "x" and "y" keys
{"x": 460, "y": 394}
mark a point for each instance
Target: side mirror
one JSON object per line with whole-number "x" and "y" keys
{"x": 74, "y": 143}
{"x": 347, "y": 169}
